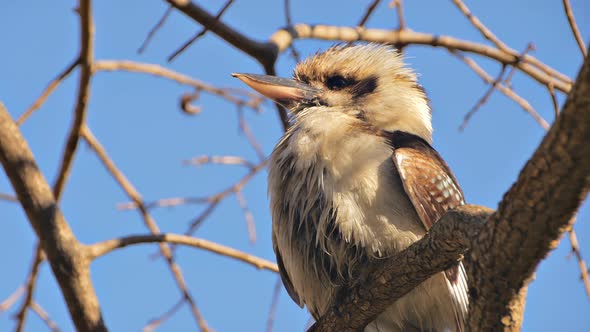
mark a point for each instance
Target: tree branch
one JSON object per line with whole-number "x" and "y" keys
{"x": 532, "y": 214}
{"x": 441, "y": 248}
{"x": 103, "y": 248}
{"x": 66, "y": 255}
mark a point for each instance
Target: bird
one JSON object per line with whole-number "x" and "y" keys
{"x": 355, "y": 179}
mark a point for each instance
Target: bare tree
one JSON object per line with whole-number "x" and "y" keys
{"x": 503, "y": 247}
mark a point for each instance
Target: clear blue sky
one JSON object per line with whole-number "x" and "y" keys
{"x": 137, "y": 119}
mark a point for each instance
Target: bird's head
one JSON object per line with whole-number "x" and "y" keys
{"x": 365, "y": 85}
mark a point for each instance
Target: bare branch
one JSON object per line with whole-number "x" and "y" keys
{"x": 148, "y": 221}
{"x": 389, "y": 279}
{"x": 572, "y": 21}
{"x": 368, "y": 13}
{"x": 103, "y": 248}
{"x": 253, "y": 100}
{"x": 487, "y": 33}
{"x": 221, "y": 160}
{"x": 529, "y": 65}
{"x": 274, "y": 304}
{"x": 66, "y": 255}
{"x": 30, "y": 286}
{"x": 199, "y": 34}
{"x": 10, "y": 300}
{"x": 265, "y": 53}
{"x": 581, "y": 262}
{"x": 248, "y": 216}
{"x": 48, "y": 90}
{"x": 154, "y": 323}
{"x": 504, "y": 89}
{"x": 154, "y": 29}
{"x": 532, "y": 214}
{"x": 483, "y": 99}
{"x": 44, "y": 316}
{"x": 8, "y": 197}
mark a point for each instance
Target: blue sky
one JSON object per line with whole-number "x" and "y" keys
{"x": 136, "y": 117}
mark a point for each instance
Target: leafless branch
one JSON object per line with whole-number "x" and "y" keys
{"x": 581, "y": 263}
{"x": 30, "y": 286}
{"x": 148, "y": 220}
{"x": 221, "y": 160}
{"x": 572, "y": 21}
{"x": 529, "y": 65}
{"x": 154, "y": 29}
{"x": 370, "y": 9}
{"x": 47, "y": 92}
{"x": 103, "y": 248}
{"x": 44, "y": 316}
{"x": 274, "y": 304}
{"x": 483, "y": 99}
{"x": 8, "y": 197}
{"x": 253, "y": 100}
{"x": 200, "y": 33}
{"x": 11, "y": 299}
{"x": 154, "y": 323}
{"x": 502, "y": 88}
{"x": 65, "y": 254}
{"x": 248, "y": 216}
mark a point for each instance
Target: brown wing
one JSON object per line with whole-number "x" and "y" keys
{"x": 432, "y": 189}
{"x": 284, "y": 277}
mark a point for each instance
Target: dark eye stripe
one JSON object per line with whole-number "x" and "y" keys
{"x": 364, "y": 87}
{"x": 338, "y": 82}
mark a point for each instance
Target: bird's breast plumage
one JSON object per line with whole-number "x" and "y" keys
{"x": 328, "y": 221}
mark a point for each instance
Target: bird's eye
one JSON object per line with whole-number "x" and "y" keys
{"x": 337, "y": 82}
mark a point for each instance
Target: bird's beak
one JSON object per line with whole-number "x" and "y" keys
{"x": 282, "y": 90}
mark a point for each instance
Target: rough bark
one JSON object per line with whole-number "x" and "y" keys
{"x": 65, "y": 254}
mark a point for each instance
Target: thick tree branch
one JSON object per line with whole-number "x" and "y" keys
{"x": 265, "y": 53}
{"x": 532, "y": 214}
{"x": 441, "y": 248}
{"x": 66, "y": 255}
{"x": 528, "y": 64}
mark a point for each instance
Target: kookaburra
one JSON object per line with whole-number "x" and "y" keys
{"x": 355, "y": 179}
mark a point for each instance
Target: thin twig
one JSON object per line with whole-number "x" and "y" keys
{"x": 553, "y": 100}
{"x": 288, "y": 19}
{"x": 572, "y": 21}
{"x": 401, "y": 21}
{"x": 102, "y": 248}
{"x": 150, "y": 223}
{"x": 220, "y": 160}
{"x": 581, "y": 262}
{"x": 11, "y": 299}
{"x": 200, "y": 33}
{"x": 48, "y": 90}
{"x": 44, "y": 316}
{"x": 30, "y": 288}
{"x": 487, "y": 33}
{"x": 154, "y": 29}
{"x": 510, "y": 75}
{"x": 86, "y": 59}
{"x": 502, "y": 88}
{"x": 245, "y": 128}
{"x": 253, "y": 100}
{"x": 273, "y": 305}
{"x": 154, "y": 323}
{"x": 8, "y": 197}
{"x": 370, "y": 9}
{"x": 248, "y": 216}
{"x": 483, "y": 99}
